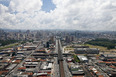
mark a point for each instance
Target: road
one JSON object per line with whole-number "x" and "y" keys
{"x": 60, "y": 68}
{"x": 87, "y": 73}
{"x": 100, "y": 69}
{"x": 56, "y": 68}
{"x": 66, "y": 69}
{"x": 60, "y": 60}
{"x": 60, "y": 57}
{"x": 56, "y": 65}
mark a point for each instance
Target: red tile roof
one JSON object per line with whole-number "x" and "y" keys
{"x": 100, "y": 76}
{"x": 21, "y": 68}
{"x": 1, "y": 72}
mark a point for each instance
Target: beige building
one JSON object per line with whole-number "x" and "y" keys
{"x": 67, "y": 50}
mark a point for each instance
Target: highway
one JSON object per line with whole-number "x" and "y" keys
{"x": 60, "y": 60}
{"x": 56, "y": 65}
{"x": 60, "y": 57}
{"x": 56, "y": 68}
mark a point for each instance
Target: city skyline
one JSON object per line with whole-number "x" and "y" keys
{"x": 94, "y": 15}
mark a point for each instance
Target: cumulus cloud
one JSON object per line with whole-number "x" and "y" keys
{"x": 25, "y": 5}
{"x": 68, "y": 14}
{"x": 3, "y": 9}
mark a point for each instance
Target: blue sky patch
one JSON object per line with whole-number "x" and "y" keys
{"x": 48, "y": 5}
{"x": 5, "y": 2}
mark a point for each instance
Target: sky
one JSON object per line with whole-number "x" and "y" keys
{"x": 93, "y": 15}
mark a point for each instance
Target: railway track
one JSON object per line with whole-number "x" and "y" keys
{"x": 60, "y": 60}
{"x": 62, "y": 74}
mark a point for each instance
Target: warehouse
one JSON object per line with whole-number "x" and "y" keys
{"x": 82, "y": 58}
{"x": 86, "y": 51}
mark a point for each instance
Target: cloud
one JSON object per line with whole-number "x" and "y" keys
{"x": 68, "y": 14}
{"x": 25, "y": 5}
{"x": 3, "y": 9}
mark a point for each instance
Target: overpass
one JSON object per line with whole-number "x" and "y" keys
{"x": 52, "y": 54}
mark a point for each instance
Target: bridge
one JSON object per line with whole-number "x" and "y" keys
{"x": 52, "y": 54}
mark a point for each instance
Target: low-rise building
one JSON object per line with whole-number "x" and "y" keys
{"x": 86, "y": 51}
{"x": 82, "y": 58}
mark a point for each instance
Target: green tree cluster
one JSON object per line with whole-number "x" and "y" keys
{"x": 6, "y": 42}
{"x": 110, "y": 44}
{"x": 76, "y": 58}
